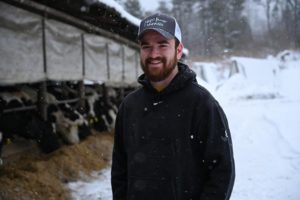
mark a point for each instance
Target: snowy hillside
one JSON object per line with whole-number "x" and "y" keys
{"x": 261, "y": 98}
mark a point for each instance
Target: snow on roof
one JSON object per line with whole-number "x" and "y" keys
{"x": 122, "y": 11}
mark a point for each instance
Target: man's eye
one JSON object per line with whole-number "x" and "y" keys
{"x": 163, "y": 45}
{"x": 145, "y": 47}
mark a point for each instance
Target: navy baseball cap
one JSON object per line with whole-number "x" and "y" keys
{"x": 165, "y": 25}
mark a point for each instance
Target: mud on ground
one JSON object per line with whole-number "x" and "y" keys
{"x": 34, "y": 175}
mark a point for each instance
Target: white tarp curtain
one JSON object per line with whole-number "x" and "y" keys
{"x": 140, "y": 71}
{"x": 64, "y": 51}
{"x": 130, "y": 65}
{"x": 21, "y": 51}
{"x": 95, "y": 58}
{"x": 115, "y": 53}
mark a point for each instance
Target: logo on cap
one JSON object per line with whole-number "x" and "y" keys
{"x": 154, "y": 22}
{"x": 165, "y": 25}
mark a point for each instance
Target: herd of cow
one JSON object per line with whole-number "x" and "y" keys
{"x": 66, "y": 123}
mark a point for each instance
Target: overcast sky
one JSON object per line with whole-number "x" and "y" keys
{"x": 150, "y": 5}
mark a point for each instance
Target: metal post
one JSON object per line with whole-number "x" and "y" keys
{"x": 42, "y": 104}
{"x": 81, "y": 96}
{"x": 123, "y": 63}
{"x": 104, "y": 93}
{"x": 107, "y": 61}
{"x": 83, "y": 54}
{"x": 136, "y": 64}
{"x": 44, "y": 45}
{"x": 81, "y": 91}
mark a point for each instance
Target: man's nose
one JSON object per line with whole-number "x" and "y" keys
{"x": 154, "y": 52}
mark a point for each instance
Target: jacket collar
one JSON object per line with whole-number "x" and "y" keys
{"x": 184, "y": 76}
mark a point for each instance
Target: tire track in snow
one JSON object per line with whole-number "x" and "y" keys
{"x": 285, "y": 145}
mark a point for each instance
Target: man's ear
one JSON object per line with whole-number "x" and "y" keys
{"x": 179, "y": 50}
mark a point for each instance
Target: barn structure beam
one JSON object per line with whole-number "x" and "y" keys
{"x": 48, "y": 12}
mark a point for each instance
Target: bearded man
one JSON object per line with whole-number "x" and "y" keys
{"x": 172, "y": 140}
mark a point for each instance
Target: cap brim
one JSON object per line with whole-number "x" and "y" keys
{"x": 165, "y": 34}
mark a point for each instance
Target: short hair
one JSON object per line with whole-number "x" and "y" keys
{"x": 176, "y": 43}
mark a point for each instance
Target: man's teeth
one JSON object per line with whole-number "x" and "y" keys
{"x": 155, "y": 62}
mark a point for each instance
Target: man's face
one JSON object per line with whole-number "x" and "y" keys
{"x": 158, "y": 55}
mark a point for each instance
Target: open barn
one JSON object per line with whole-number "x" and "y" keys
{"x": 65, "y": 67}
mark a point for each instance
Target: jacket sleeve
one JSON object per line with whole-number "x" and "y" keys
{"x": 218, "y": 155}
{"x": 119, "y": 161}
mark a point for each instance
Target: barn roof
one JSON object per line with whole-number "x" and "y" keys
{"x": 104, "y": 14}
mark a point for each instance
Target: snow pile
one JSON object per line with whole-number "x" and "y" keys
{"x": 211, "y": 73}
{"x": 237, "y": 87}
{"x": 288, "y": 59}
{"x": 252, "y": 78}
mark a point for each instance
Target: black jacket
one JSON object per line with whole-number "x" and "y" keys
{"x": 172, "y": 145}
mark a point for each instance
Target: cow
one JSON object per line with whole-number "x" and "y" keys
{"x": 68, "y": 122}
{"x": 26, "y": 123}
{"x": 96, "y": 121}
{"x": 43, "y": 132}
{"x": 77, "y": 118}
{"x": 107, "y": 110}
{"x": 62, "y": 90}
{"x": 101, "y": 113}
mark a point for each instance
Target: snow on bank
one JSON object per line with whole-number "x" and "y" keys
{"x": 263, "y": 109}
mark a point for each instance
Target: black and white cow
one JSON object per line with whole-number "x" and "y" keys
{"x": 62, "y": 90}
{"x": 14, "y": 98}
{"x": 101, "y": 110}
{"x": 66, "y": 121}
{"x": 69, "y": 123}
{"x": 27, "y": 123}
{"x": 95, "y": 120}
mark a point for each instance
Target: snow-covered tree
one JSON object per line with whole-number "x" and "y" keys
{"x": 134, "y": 8}
{"x": 163, "y": 8}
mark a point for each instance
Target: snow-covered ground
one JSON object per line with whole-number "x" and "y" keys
{"x": 261, "y": 98}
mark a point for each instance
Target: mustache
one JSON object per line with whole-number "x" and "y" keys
{"x": 149, "y": 60}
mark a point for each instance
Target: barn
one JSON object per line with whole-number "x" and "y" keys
{"x": 60, "y": 60}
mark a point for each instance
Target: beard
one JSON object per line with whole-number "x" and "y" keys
{"x": 163, "y": 73}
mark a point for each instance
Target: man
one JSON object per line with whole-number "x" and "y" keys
{"x": 172, "y": 140}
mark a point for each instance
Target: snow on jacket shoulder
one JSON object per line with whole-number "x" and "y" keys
{"x": 172, "y": 145}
